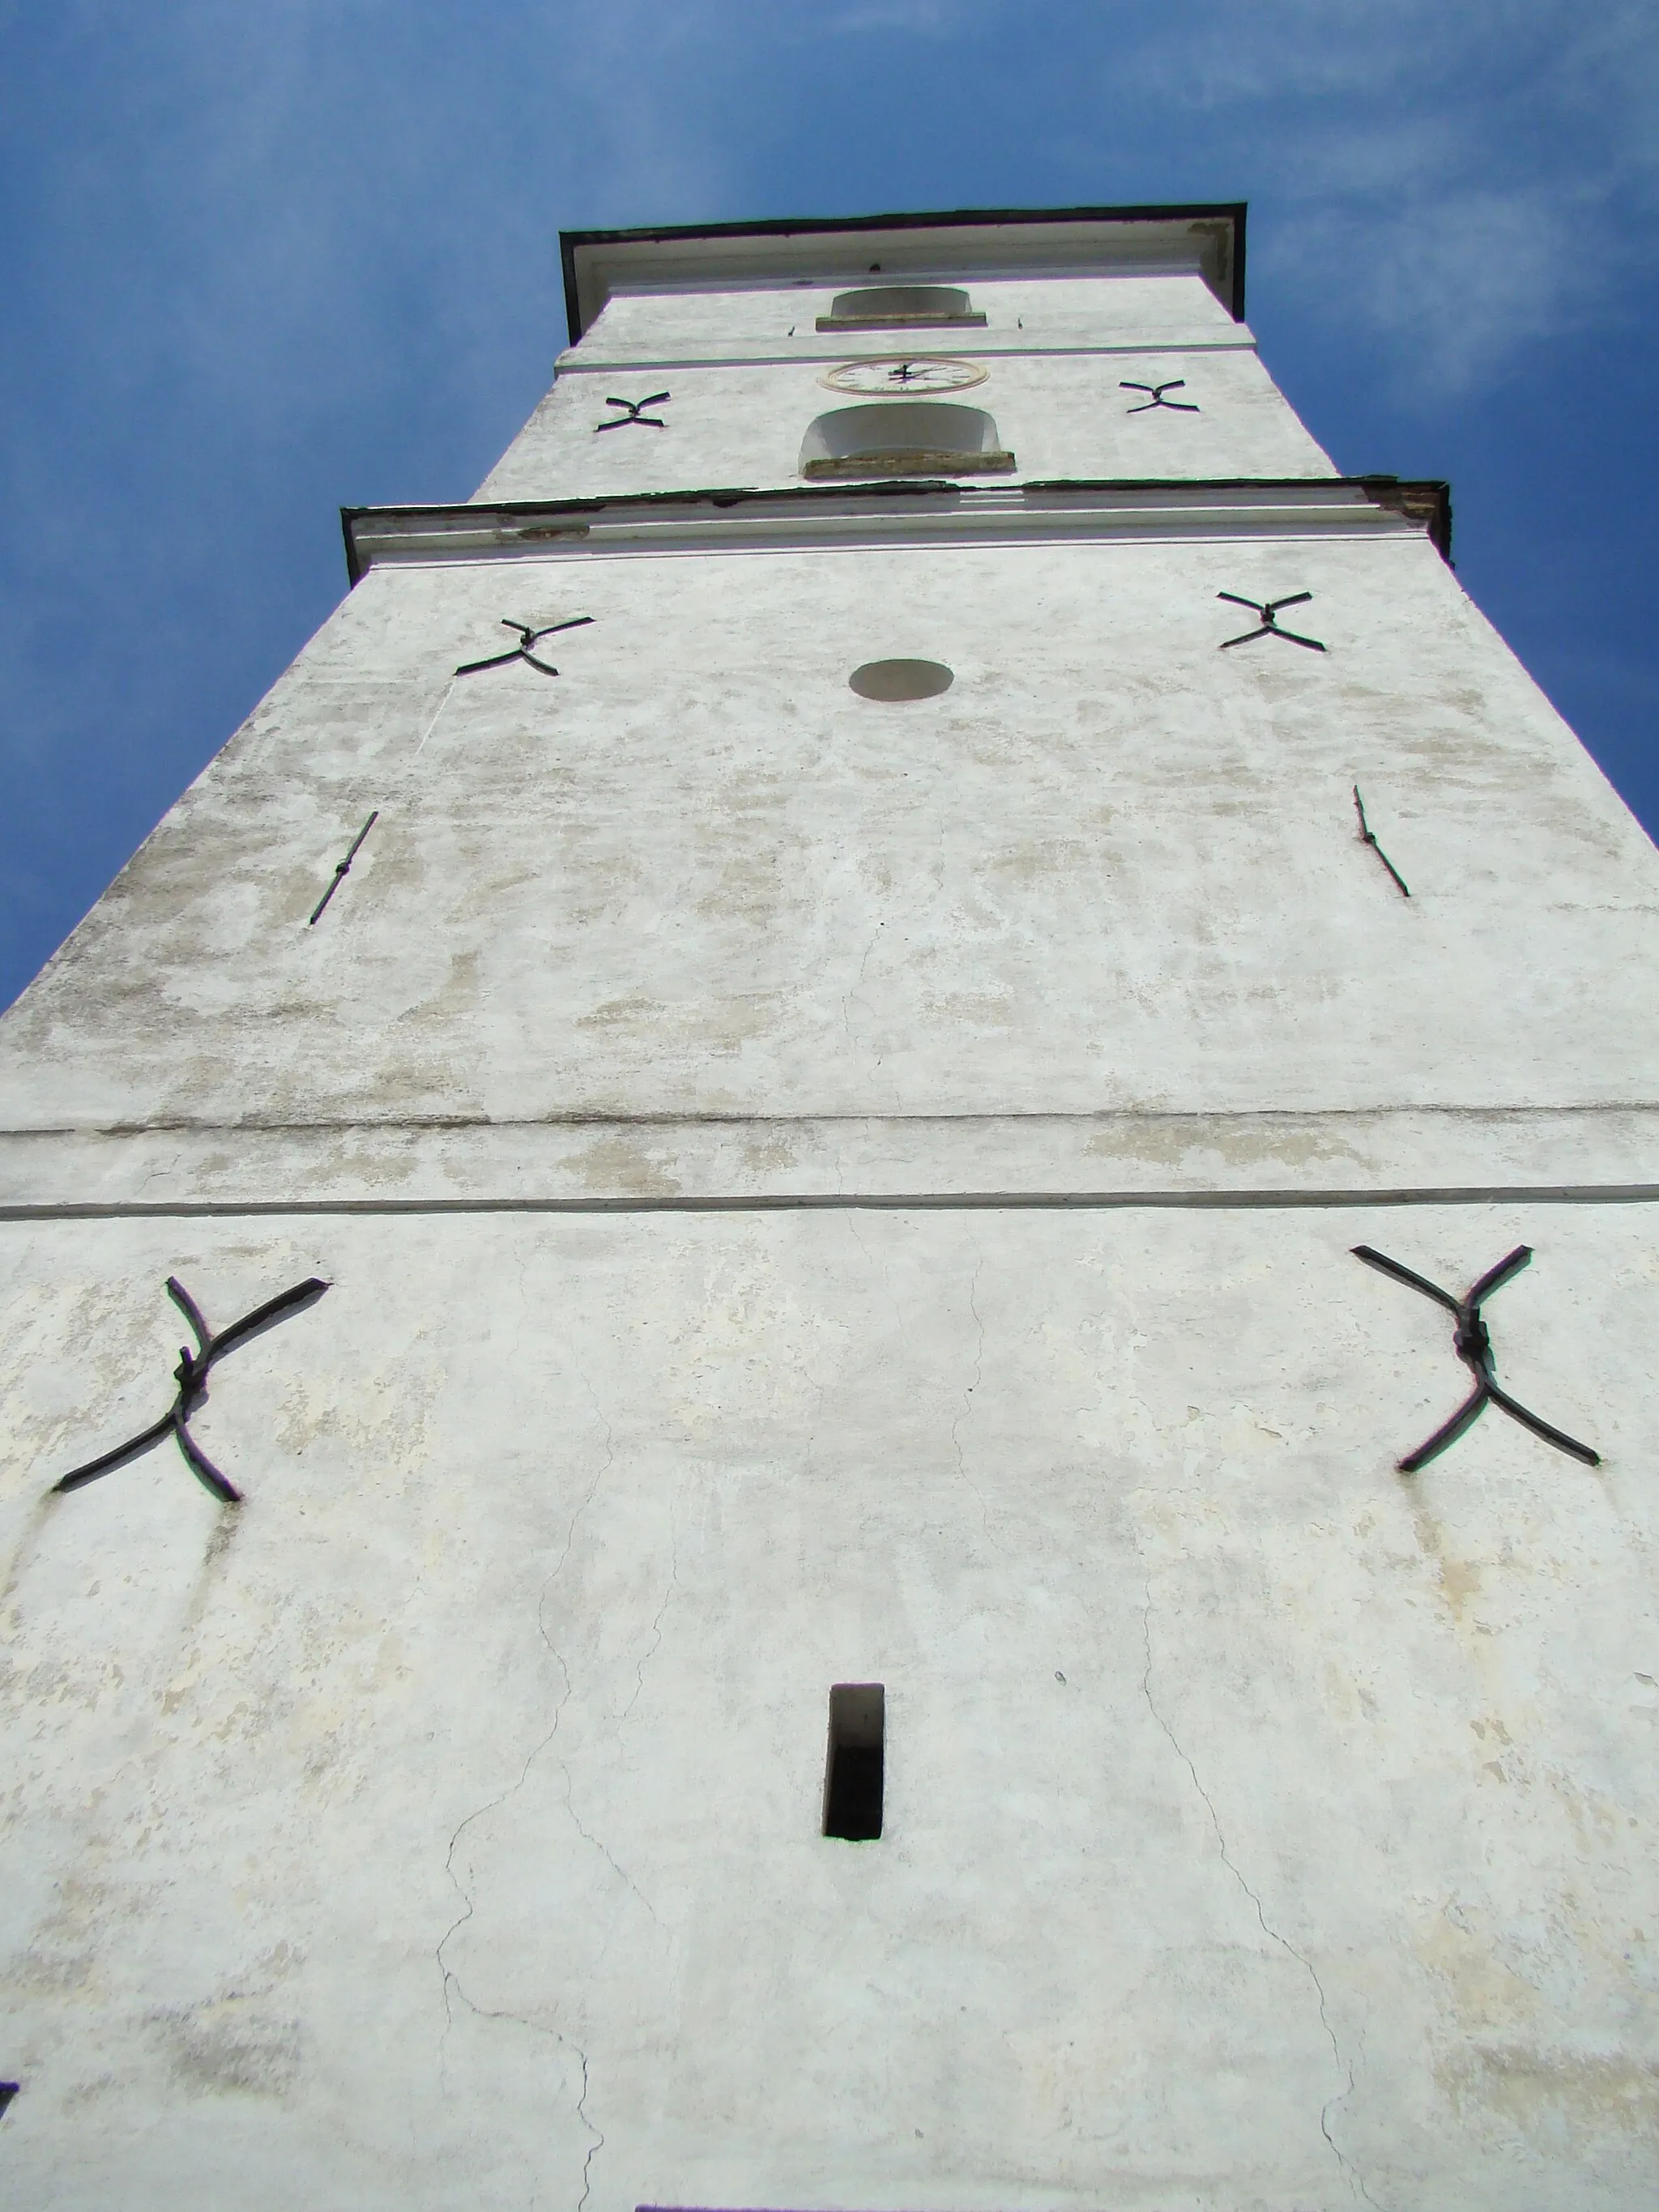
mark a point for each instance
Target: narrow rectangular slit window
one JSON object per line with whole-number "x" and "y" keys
{"x": 853, "y": 1781}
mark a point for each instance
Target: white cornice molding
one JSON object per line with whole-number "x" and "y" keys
{"x": 784, "y": 519}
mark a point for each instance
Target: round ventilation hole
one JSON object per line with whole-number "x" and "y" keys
{"x": 902, "y": 679}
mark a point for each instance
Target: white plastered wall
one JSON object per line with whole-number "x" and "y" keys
{"x": 743, "y": 371}
{"x": 442, "y": 1826}
{"x": 1061, "y": 416}
{"x": 1114, "y": 866}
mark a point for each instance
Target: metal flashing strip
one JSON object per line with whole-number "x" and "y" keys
{"x": 968, "y": 1201}
{"x": 582, "y": 1160}
{"x": 917, "y": 510}
{"x": 1440, "y": 1111}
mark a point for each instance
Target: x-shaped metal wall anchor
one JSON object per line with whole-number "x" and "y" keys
{"x": 1269, "y": 614}
{"x": 527, "y": 637}
{"x": 1474, "y": 1348}
{"x": 191, "y": 1374}
{"x": 1158, "y": 391}
{"x": 635, "y": 412}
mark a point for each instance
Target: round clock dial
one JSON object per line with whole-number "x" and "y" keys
{"x": 900, "y": 375}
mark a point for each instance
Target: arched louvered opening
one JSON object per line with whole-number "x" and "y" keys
{"x": 899, "y": 307}
{"x": 914, "y": 438}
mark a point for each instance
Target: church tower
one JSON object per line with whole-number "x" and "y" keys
{"x": 829, "y": 1321}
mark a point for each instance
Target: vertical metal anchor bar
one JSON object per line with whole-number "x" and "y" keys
{"x": 1370, "y": 836}
{"x": 344, "y": 868}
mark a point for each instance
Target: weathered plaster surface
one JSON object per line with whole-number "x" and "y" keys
{"x": 483, "y": 1744}
{"x": 743, "y": 368}
{"x": 1114, "y": 866}
{"x": 814, "y": 1190}
{"x": 1060, "y": 416}
{"x": 1107, "y": 310}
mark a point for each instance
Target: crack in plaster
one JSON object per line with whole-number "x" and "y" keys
{"x": 817, "y": 1415}
{"x": 450, "y": 1979}
{"x": 646, "y": 1656}
{"x": 967, "y": 1395}
{"x": 589, "y": 1837}
{"x": 433, "y": 724}
{"x": 23, "y": 1556}
{"x": 871, "y": 1259}
{"x": 595, "y": 2147}
{"x": 848, "y": 996}
{"x": 446, "y": 1971}
{"x": 586, "y": 1833}
{"x": 1350, "y": 2173}
{"x": 536, "y": 2027}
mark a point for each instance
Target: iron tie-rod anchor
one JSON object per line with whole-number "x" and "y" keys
{"x": 521, "y": 651}
{"x": 342, "y": 868}
{"x": 191, "y": 1374}
{"x": 1370, "y": 836}
{"x": 1269, "y": 616}
{"x": 1473, "y": 1345}
{"x": 635, "y": 412}
{"x": 1158, "y": 391}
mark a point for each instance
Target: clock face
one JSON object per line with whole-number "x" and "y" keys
{"x": 900, "y": 375}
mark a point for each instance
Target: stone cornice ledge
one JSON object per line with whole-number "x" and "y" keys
{"x": 910, "y": 511}
{"x": 1372, "y": 1157}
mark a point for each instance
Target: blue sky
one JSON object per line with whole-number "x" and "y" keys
{"x": 258, "y": 262}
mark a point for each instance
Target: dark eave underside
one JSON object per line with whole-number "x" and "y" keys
{"x": 1231, "y": 211}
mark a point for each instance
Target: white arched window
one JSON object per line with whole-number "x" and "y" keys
{"x": 909, "y": 438}
{"x": 899, "y": 307}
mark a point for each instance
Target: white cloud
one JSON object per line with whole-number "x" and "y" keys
{"x": 1450, "y": 181}
{"x": 1457, "y": 283}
